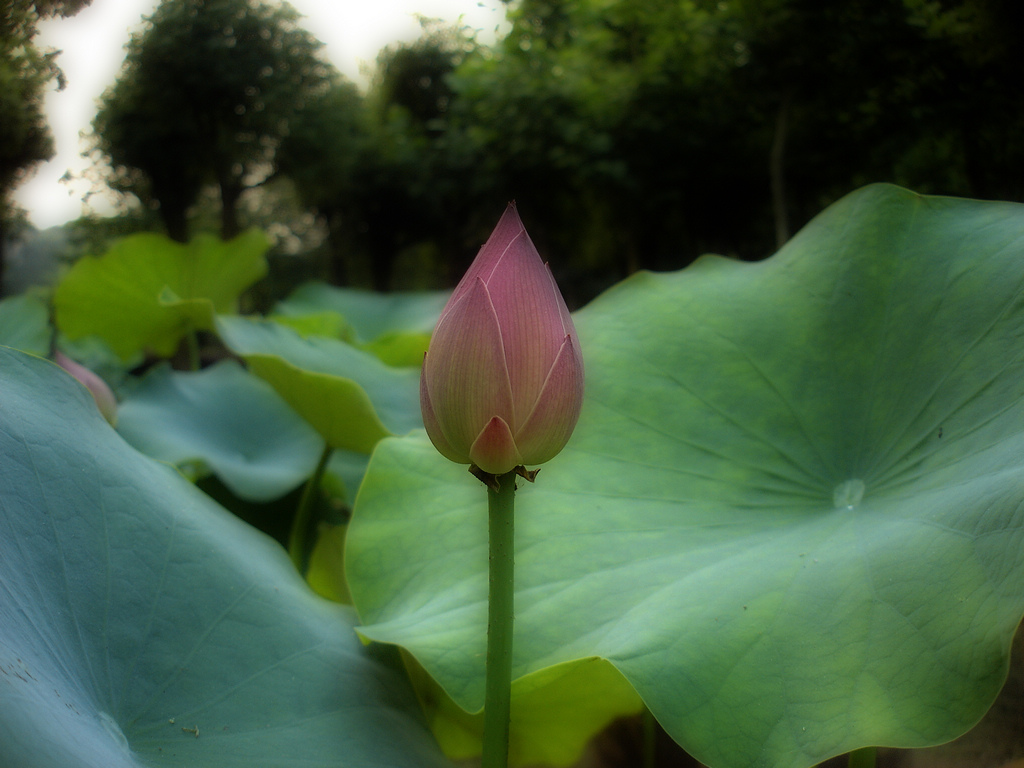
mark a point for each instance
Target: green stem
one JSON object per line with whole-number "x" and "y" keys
{"x": 500, "y": 613}
{"x": 863, "y": 758}
{"x": 298, "y": 540}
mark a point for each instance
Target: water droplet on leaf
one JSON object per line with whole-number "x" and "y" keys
{"x": 848, "y": 494}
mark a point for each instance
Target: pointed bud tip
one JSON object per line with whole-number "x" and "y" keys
{"x": 503, "y": 377}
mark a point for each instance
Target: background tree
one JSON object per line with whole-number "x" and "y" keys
{"x": 327, "y": 140}
{"x": 633, "y": 133}
{"x": 408, "y": 176}
{"x": 25, "y": 74}
{"x": 598, "y": 110}
{"x": 655, "y": 131}
{"x": 209, "y": 90}
{"x": 906, "y": 91}
{"x": 375, "y": 169}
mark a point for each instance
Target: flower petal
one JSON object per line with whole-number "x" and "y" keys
{"x": 554, "y": 416}
{"x": 494, "y": 450}
{"x": 507, "y": 229}
{"x": 465, "y": 373}
{"x": 531, "y": 314}
{"x": 99, "y": 389}
{"x": 434, "y": 431}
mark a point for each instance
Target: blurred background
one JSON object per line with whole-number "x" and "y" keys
{"x": 634, "y": 134}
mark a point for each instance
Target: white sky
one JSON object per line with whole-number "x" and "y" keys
{"x": 92, "y": 44}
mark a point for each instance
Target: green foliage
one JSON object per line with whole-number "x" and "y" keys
{"x": 789, "y": 519}
{"x": 209, "y": 90}
{"x": 633, "y": 134}
{"x": 142, "y": 625}
{"x": 25, "y": 324}
{"x": 349, "y": 396}
{"x": 147, "y": 292}
{"x": 395, "y": 327}
{"x": 222, "y": 420}
{"x": 790, "y": 514}
{"x": 376, "y": 169}
{"x": 640, "y": 135}
{"x": 554, "y": 712}
{"x": 326, "y": 143}
{"x": 25, "y": 73}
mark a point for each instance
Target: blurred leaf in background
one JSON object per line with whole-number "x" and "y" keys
{"x": 148, "y": 292}
{"x": 396, "y": 327}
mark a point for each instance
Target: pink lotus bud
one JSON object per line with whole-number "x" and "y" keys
{"x": 101, "y": 393}
{"x": 502, "y": 380}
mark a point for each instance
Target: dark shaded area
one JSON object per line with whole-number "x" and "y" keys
{"x": 634, "y": 135}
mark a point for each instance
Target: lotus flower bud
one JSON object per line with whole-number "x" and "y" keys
{"x": 502, "y": 380}
{"x": 101, "y": 393}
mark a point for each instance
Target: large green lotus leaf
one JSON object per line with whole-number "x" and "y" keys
{"x": 349, "y": 396}
{"x": 400, "y": 348}
{"x": 329, "y": 324}
{"x": 792, "y": 513}
{"x": 369, "y": 314}
{"x": 148, "y": 291}
{"x": 554, "y": 714}
{"x": 226, "y": 419}
{"x": 141, "y": 625}
{"x": 25, "y": 323}
{"x": 396, "y": 327}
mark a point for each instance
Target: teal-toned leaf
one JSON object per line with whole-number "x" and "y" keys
{"x": 348, "y": 467}
{"x": 370, "y": 314}
{"x": 148, "y": 291}
{"x": 25, "y": 324}
{"x": 329, "y": 324}
{"x": 792, "y": 513}
{"x": 349, "y": 396}
{"x": 141, "y": 625}
{"x": 395, "y": 327}
{"x": 226, "y": 419}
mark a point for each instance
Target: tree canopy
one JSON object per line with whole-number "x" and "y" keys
{"x": 208, "y": 91}
{"x": 633, "y": 134}
{"x": 25, "y": 73}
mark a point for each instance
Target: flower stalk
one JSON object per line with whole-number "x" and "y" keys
{"x": 500, "y": 620}
{"x": 300, "y": 539}
{"x": 501, "y": 388}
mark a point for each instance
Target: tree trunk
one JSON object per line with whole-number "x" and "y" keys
{"x": 230, "y": 191}
{"x": 337, "y": 248}
{"x": 382, "y": 262}
{"x": 3, "y": 253}
{"x": 777, "y": 170}
{"x": 175, "y": 221}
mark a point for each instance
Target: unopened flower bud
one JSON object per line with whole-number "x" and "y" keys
{"x": 502, "y": 380}
{"x": 101, "y": 393}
